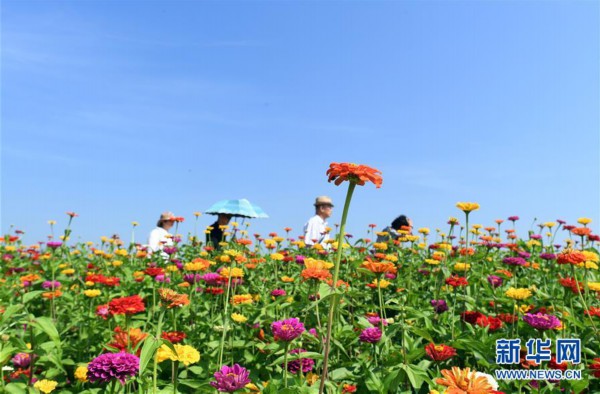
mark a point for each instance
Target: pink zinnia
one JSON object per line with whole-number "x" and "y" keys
{"x": 370, "y": 335}
{"x": 287, "y": 330}
{"x": 542, "y": 321}
{"x": 230, "y": 379}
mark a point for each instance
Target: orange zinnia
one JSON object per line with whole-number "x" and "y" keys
{"x": 570, "y": 256}
{"x": 356, "y": 173}
{"x": 581, "y": 231}
{"x": 315, "y": 273}
{"x": 379, "y": 267}
{"x": 172, "y": 299}
{"x": 464, "y": 381}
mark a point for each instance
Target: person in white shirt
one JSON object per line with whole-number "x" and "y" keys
{"x": 160, "y": 236}
{"x": 315, "y": 230}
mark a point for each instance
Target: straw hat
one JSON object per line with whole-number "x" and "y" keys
{"x": 323, "y": 200}
{"x": 164, "y": 217}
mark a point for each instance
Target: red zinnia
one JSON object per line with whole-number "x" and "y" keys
{"x": 471, "y": 316}
{"x": 493, "y": 323}
{"x": 154, "y": 271}
{"x": 508, "y": 318}
{"x": 595, "y": 367}
{"x": 456, "y": 281}
{"x": 126, "y": 305}
{"x": 570, "y": 257}
{"x": 173, "y": 336}
{"x": 439, "y": 352}
{"x": 356, "y": 173}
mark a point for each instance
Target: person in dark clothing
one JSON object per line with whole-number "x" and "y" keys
{"x": 400, "y": 223}
{"x": 216, "y": 234}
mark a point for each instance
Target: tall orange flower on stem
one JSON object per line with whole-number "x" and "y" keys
{"x": 355, "y": 174}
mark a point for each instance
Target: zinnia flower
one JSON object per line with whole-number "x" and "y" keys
{"x": 109, "y": 366}
{"x": 518, "y": 294}
{"x": 439, "y": 352}
{"x": 306, "y": 364}
{"x": 355, "y": 173}
{"x": 439, "y": 306}
{"x": 595, "y": 367}
{"x": 463, "y": 381}
{"x": 126, "y": 305}
{"x": 467, "y": 207}
{"x": 570, "y": 256}
{"x": 81, "y": 373}
{"x": 45, "y": 386}
{"x": 495, "y": 281}
{"x": 287, "y": 330}
{"x": 370, "y": 335}
{"x": 173, "y": 336}
{"x": 457, "y": 281}
{"x": 172, "y": 299}
{"x": 514, "y": 261}
{"x": 230, "y": 379}
{"x": 542, "y": 321}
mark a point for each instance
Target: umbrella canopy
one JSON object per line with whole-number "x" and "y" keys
{"x": 242, "y": 208}
{"x": 259, "y": 211}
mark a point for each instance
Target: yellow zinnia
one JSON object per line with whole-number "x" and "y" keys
{"x": 467, "y": 207}
{"x": 584, "y": 221}
{"x": 233, "y": 272}
{"x": 462, "y": 267}
{"x": 242, "y": 299}
{"x": 518, "y": 293}
{"x": 238, "y": 318}
{"x": 92, "y": 293}
{"x": 45, "y": 385}
{"x": 594, "y": 286}
{"x": 81, "y": 373}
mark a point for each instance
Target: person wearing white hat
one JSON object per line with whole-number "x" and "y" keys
{"x": 315, "y": 230}
{"x": 160, "y": 236}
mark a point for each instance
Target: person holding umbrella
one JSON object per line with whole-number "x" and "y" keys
{"x": 315, "y": 229}
{"x": 216, "y": 234}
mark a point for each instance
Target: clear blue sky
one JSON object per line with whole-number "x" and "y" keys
{"x": 119, "y": 110}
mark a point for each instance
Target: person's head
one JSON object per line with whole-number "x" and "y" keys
{"x": 223, "y": 219}
{"x": 166, "y": 220}
{"x": 323, "y": 206}
{"x": 402, "y": 221}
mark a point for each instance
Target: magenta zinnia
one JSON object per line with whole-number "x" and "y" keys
{"x": 542, "y": 321}
{"x": 306, "y": 364}
{"x": 288, "y": 329}
{"x": 109, "y": 366}
{"x": 370, "y": 335}
{"x": 230, "y": 379}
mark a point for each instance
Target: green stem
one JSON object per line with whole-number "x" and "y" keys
{"x": 334, "y": 297}
{"x": 285, "y": 365}
{"x": 155, "y": 366}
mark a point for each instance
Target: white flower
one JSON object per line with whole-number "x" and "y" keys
{"x": 489, "y": 378}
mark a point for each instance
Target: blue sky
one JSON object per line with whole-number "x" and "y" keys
{"x": 121, "y": 110}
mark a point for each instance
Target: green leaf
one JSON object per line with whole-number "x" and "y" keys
{"x": 11, "y": 310}
{"x": 340, "y": 374}
{"x": 45, "y": 324}
{"x": 15, "y": 388}
{"x": 5, "y": 353}
{"x": 148, "y": 349}
{"x": 31, "y": 295}
{"x": 292, "y": 357}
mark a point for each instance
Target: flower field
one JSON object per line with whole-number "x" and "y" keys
{"x": 419, "y": 314}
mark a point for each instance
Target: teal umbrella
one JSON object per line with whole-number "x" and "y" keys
{"x": 259, "y": 211}
{"x": 241, "y": 208}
